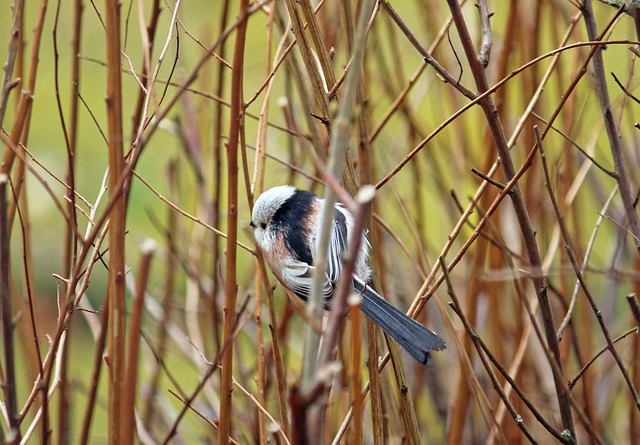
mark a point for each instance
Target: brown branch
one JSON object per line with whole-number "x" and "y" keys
{"x": 522, "y": 213}
{"x": 229, "y": 312}
{"x": 301, "y": 402}
{"x": 318, "y": 42}
{"x": 615, "y": 139}
{"x": 440, "y": 70}
{"x": 133, "y": 346}
{"x": 9, "y": 384}
{"x": 578, "y": 272}
{"x": 27, "y": 260}
{"x": 22, "y": 114}
{"x": 71, "y": 241}
{"x": 216, "y": 184}
{"x": 12, "y": 52}
{"x": 475, "y": 339}
{"x": 116, "y": 348}
{"x": 576, "y": 145}
{"x": 481, "y": 97}
{"x": 574, "y": 296}
{"x": 316, "y": 78}
{"x": 606, "y": 348}
{"x": 92, "y": 393}
{"x": 148, "y": 45}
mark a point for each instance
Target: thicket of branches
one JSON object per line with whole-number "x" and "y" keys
{"x": 502, "y": 143}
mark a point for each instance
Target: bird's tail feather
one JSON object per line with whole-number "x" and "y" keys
{"x": 415, "y": 338}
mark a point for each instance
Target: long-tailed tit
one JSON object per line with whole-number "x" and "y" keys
{"x": 285, "y": 223}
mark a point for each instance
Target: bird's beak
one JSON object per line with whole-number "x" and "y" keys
{"x": 252, "y": 224}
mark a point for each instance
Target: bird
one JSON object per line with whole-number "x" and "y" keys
{"x": 285, "y": 222}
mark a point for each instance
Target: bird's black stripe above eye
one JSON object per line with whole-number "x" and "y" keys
{"x": 290, "y": 218}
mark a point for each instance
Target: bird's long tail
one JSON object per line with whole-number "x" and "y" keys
{"x": 415, "y": 338}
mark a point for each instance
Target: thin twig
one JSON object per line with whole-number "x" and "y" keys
{"x": 574, "y": 296}
{"x": 521, "y": 211}
{"x": 189, "y": 215}
{"x": 580, "y": 277}
{"x": 92, "y": 394}
{"x": 200, "y": 414}
{"x": 624, "y": 182}
{"x": 587, "y": 365}
{"x": 624, "y": 89}
{"x": 488, "y": 93}
{"x": 443, "y": 73}
{"x": 475, "y": 339}
{"x": 577, "y": 146}
{"x": 211, "y": 370}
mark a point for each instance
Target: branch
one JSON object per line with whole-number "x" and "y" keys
{"x": 9, "y": 383}
{"x": 231, "y": 294}
{"x": 522, "y": 213}
{"x": 612, "y": 130}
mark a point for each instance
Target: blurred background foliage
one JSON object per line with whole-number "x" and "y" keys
{"x": 415, "y": 214}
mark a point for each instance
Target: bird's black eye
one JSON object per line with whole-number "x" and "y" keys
{"x": 263, "y": 225}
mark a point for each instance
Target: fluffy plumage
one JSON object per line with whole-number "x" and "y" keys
{"x": 285, "y": 221}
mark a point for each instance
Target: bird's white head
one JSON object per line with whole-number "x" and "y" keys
{"x": 263, "y": 210}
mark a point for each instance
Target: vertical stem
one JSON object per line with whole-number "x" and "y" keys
{"x": 275, "y": 348}
{"x": 318, "y": 42}
{"x": 365, "y": 164}
{"x": 152, "y": 402}
{"x": 145, "y": 74}
{"x": 9, "y": 384}
{"x": 12, "y": 53}
{"x": 70, "y": 245}
{"x": 229, "y": 309}
{"x": 217, "y": 156}
{"x": 315, "y": 77}
{"x": 92, "y": 393}
{"x": 337, "y": 160}
{"x": 356, "y": 384}
{"x": 262, "y": 433}
{"x": 484, "y": 253}
{"x": 339, "y": 140}
{"x": 116, "y": 298}
{"x": 135, "y": 329}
